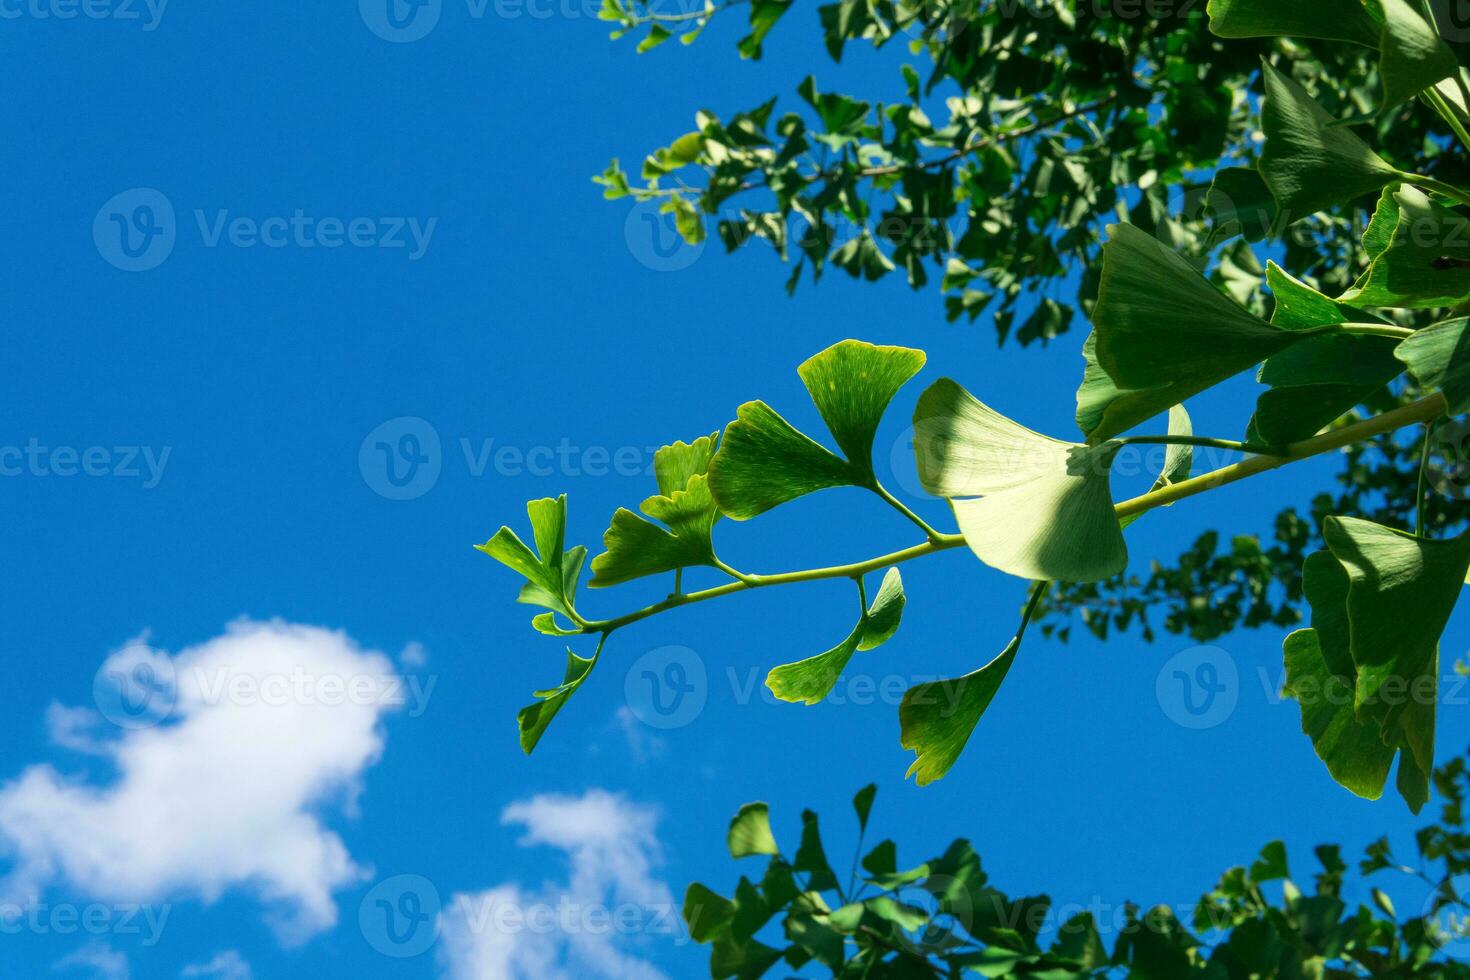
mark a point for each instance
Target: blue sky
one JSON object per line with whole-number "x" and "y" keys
{"x": 196, "y": 484}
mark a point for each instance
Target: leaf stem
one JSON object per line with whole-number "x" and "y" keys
{"x": 1367, "y": 330}
{"x": 1446, "y": 112}
{"x": 899, "y": 506}
{"x": 1423, "y": 410}
{"x": 1439, "y": 186}
{"x": 1204, "y": 441}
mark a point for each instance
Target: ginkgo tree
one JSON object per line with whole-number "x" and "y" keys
{"x": 1042, "y": 509}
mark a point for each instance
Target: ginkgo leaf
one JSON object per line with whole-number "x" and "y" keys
{"x": 936, "y": 719}
{"x": 1310, "y": 161}
{"x": 1320, "y": 675}
{"x": 1330, "y": 20}
{"x": 811, "y": 680}
{"x": 1419, "y": 254}
{"x": 1178, "y": 459}
{"x": 1412, "y": 55}
{"x": 1163, "y": 333}
{"x": 764, "y": 461}
{"x": 1318, "y": 380}
{"x": 551, "y": 571}
{"x": 1439, "y": 357}
{"x": 1401, "y": 590}
{"x": 1027, "y": 504}
{"x": 636, "y": 548}
{"x": 1240, "y": 203}
{"x": 750, "y": 832}
{"x": 535, "y": 718}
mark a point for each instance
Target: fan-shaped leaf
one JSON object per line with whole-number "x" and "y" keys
{"x": 552, "y": 571}
{"x": 1318, "y": 380}
{"x": 1027, "y": 504}
{"x": 636, "y": 548}
{"x": 1162, "y": 334}
{"x": 811, "y": 680}
{"x": 1310, "y": 162}
{"x": 764, "y": 461}
{"x": 1412, "y": 55}
{"x": 1420, "y": 254}
{"x": 1439, "y": 357}
{"x": 535, "y": 718}
{"x": 1330, "y": 20}
{"x": 750, "y": 832}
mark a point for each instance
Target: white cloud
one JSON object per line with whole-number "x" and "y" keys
{"x": 260, "y": 731}
{"x": 229, "y": 965}
{"x": 590, "y": 925}
{"x": 104, "y": 962}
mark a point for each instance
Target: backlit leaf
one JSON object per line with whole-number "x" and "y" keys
{"x": 764, "y": 461}
{"x": 552, "y": 571}
{"x": 1027, "y": 504}
{"x": 534, "y": 719}
{"x": 1420, "y": 254}
{"x": 1439, "y": 357}
{"x": 1412, "y": 54}
{"x": 636, "y": 548}
{"x": 750, "y": 832}
{"x": 811, "y": 680}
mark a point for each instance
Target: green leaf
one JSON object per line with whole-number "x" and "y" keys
{"x": 1412, "y": 55}
{"x": 1271, "y": 865}
{"x": 636, "y": 548}
{"x": 863, "y": 804}
{"x": 745, "y": 960}
{"x": 764, "y": 461}
{"x": 1162, "y": 333}
{"x": 936, "y": 719}
{"x": 551, "y": 571}
{"x": 657, "y": 35}
{"x": 1027, "y": 504}
{"x": 1240, "y": 203}
{"x": 882, "y": 860}
{"x": 706, "y": 913}
{"x": 1311, "y": 162}
{"x": 1420, "y": 254}
{"x": 534, "y": 719}
{"x": 750, "y": 832}
{"x": 811, "y": 858}
{"x": 1330, "y": 20}
{"x": 763, "y": 16}
{"x": 1321, "y": 378}
{"x": 811, "y": 680}
{"x": 1401, "y": 591}
{"x": 1439, "y": 357}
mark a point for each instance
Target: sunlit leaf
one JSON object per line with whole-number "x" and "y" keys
{"x": 1439, "y": 357}
{"x": 1310, "y": 162}
{"x": 1027, "y": 504}
{"x": 1321, "y": 378}
{"x": 636, "y": 548}
{"x": 535, "y": 718}
{"x": 750, "y": 832}
{"x": 551, "y": 571}
{"x": 811, "y": 680}
{"x": 1413, "y": 55}
{"x": 764, "y": 461}
{"x": 1420, "y": 254}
